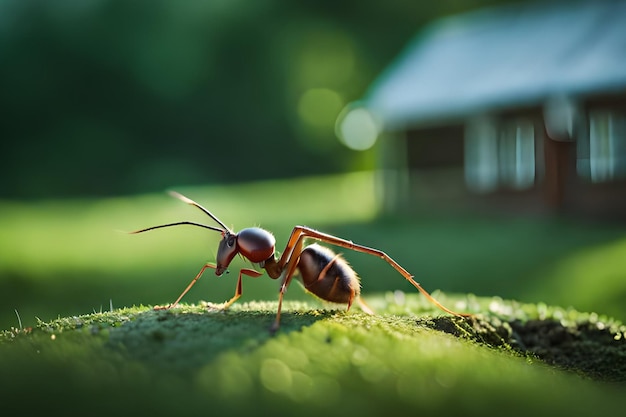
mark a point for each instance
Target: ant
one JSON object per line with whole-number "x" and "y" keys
{"x": 322, "y": 272}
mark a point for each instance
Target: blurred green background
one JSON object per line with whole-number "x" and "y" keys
{"x": 109, "y": 97}
{"x": 107, "y": 103}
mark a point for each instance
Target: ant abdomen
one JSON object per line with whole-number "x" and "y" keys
{"x": 327, "y": 275}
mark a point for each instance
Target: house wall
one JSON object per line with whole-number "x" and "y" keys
{"x": 559, "y": 182}
{"x": 596, "y": 185}
{"x": 437, "y": 163}
{"x": 518, "y": 171}
{"x": 435, "y": 179}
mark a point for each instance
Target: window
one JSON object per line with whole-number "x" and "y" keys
{"x": 602, "y": 147}
{"x": 499, "y": 155}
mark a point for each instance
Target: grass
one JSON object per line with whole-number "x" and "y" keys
{"x": 197, "y": 359}
{"x": 42, "y": 237}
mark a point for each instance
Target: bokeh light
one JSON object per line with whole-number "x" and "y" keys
{"x": 357, "y": 128}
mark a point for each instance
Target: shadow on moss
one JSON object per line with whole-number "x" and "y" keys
{"x": 588, "y": 348}
{"x": 186, "y": 340}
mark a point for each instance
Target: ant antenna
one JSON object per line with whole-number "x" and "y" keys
{"x": 217, "y": 229}
{"x": 193, "y": 203}
{"x": 223, "y": 230}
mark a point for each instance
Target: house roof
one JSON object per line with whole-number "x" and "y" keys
{"x": 504, "y": 57}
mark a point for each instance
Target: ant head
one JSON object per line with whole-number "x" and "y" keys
{"x": 226, "y": 251}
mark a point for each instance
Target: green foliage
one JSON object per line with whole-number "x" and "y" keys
{"x": 114, "y": 97}
{"x": 322, "y": 361}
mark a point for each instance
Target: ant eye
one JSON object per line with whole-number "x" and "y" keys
{"x": 231, "y": 241}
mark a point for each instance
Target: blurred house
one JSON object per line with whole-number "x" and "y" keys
{"x": 514, "y": 108}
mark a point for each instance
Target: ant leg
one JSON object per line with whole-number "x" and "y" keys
{"x": 366, "y": 309}
{"x": 293, "y": 259}
{"x": 276, "y": 324}
{"x": 238, "y": 291}
{"x": 191, "y": 284}
{"x": 294, "y": 240}
{"x": 300, "y": 232}
{"x": 281, "y": 294}
{"x": 295, "y": 249}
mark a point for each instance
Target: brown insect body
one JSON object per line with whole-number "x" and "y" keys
{"x": 328, "y": 275}
{"x": 322, "y": 272}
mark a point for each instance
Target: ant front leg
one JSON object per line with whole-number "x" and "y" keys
{"x": 238, "y": 290}
{"x": 191, "y": 284}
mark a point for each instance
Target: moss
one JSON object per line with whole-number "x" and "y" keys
{"x": 585, "y": 343}
{"x": 407, "y": 358}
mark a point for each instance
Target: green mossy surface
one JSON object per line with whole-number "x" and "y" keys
{"x": 509, "y": 359}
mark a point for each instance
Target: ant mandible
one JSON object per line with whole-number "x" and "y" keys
{"x": 322, "y": 272}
